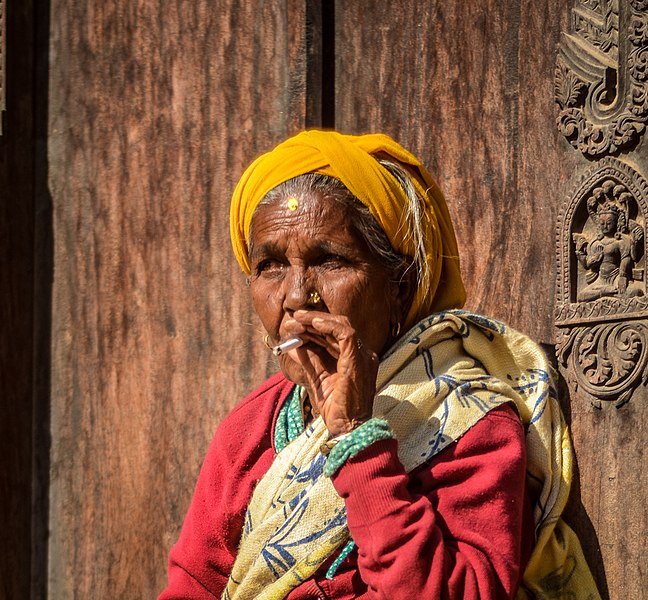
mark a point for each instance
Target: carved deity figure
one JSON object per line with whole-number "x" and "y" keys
{"x": 611, "y": 257}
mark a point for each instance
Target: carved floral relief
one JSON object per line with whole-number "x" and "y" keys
{"x": 608, "y": 361}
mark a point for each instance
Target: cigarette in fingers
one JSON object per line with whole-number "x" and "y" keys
{"x": 289, "y": 344}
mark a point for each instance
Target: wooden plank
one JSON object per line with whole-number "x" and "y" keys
{"x": 461, "y": 84}
{"x": 156, "y": 107}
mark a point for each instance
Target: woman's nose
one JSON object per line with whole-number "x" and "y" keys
{"x": 298, "y": 291}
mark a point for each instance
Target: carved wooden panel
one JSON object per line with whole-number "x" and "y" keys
{"x": 602, "y": 76}
{"x": 602, "y": 303}
{"x": 601, "y": 88}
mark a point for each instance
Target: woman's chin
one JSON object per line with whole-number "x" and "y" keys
{"x": 292, "y": 370}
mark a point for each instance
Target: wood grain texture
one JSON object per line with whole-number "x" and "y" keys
{"x": 468, "y": 87}
{"x": 156, "y": 108}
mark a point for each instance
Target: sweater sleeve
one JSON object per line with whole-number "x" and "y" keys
{"x": 451, "y": 530}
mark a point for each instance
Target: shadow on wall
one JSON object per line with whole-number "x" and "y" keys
{"x": 575, "y": 514}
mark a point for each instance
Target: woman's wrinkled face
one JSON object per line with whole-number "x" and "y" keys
{"x": 308, "y": 243}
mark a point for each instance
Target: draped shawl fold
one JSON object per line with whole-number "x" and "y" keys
{"x": 351, "y": 159}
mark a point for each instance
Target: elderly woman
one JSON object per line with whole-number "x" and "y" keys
{"x": 407, "y": 449}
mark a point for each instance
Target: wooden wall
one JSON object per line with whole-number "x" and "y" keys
{"x": 154, "y": 110}
{"x": 469, "y": 87}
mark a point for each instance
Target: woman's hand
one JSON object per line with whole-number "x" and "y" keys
{"x": 340, "y": 370}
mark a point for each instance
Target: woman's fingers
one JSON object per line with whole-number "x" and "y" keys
{"x": 324, "y": 331}
{"x": 334, "y": 328}
{"x": 333, "y": 332}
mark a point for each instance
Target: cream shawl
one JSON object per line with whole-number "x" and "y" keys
{"x": 436, "y": 383}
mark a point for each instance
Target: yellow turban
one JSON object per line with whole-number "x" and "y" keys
{"x": 350, "y": 159}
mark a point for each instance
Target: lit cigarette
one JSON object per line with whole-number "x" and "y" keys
{"x": 288, "y": 345}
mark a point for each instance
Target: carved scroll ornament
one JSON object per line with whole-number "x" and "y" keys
{"x": 601, "y": 80}
{"x": 602, "y": 309}
{"x": 608, "y": 360}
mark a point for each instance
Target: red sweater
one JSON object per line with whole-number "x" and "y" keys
{"x": 459, "y": 527}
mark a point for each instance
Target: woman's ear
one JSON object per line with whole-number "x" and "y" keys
{"x": 405, "y": 288}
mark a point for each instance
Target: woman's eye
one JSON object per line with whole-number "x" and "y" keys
{"x": 269, "y": 266}
{"x": 333, "y": 260}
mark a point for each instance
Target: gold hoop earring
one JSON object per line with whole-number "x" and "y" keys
{"x": 396, "y": 329}
{"x": 266, "y": 341}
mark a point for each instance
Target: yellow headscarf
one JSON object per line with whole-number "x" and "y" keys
{"x": 351, "y": 159}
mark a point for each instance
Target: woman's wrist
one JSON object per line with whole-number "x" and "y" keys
{"x": 341, "y": 448}
{"x": 347, "y": 426}
{"x": 329, "y": 444}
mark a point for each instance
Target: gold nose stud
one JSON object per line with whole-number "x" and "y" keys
{"x": 314, "y": 297}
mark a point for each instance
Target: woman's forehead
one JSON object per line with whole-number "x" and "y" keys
{"x": 311, "y": 215}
